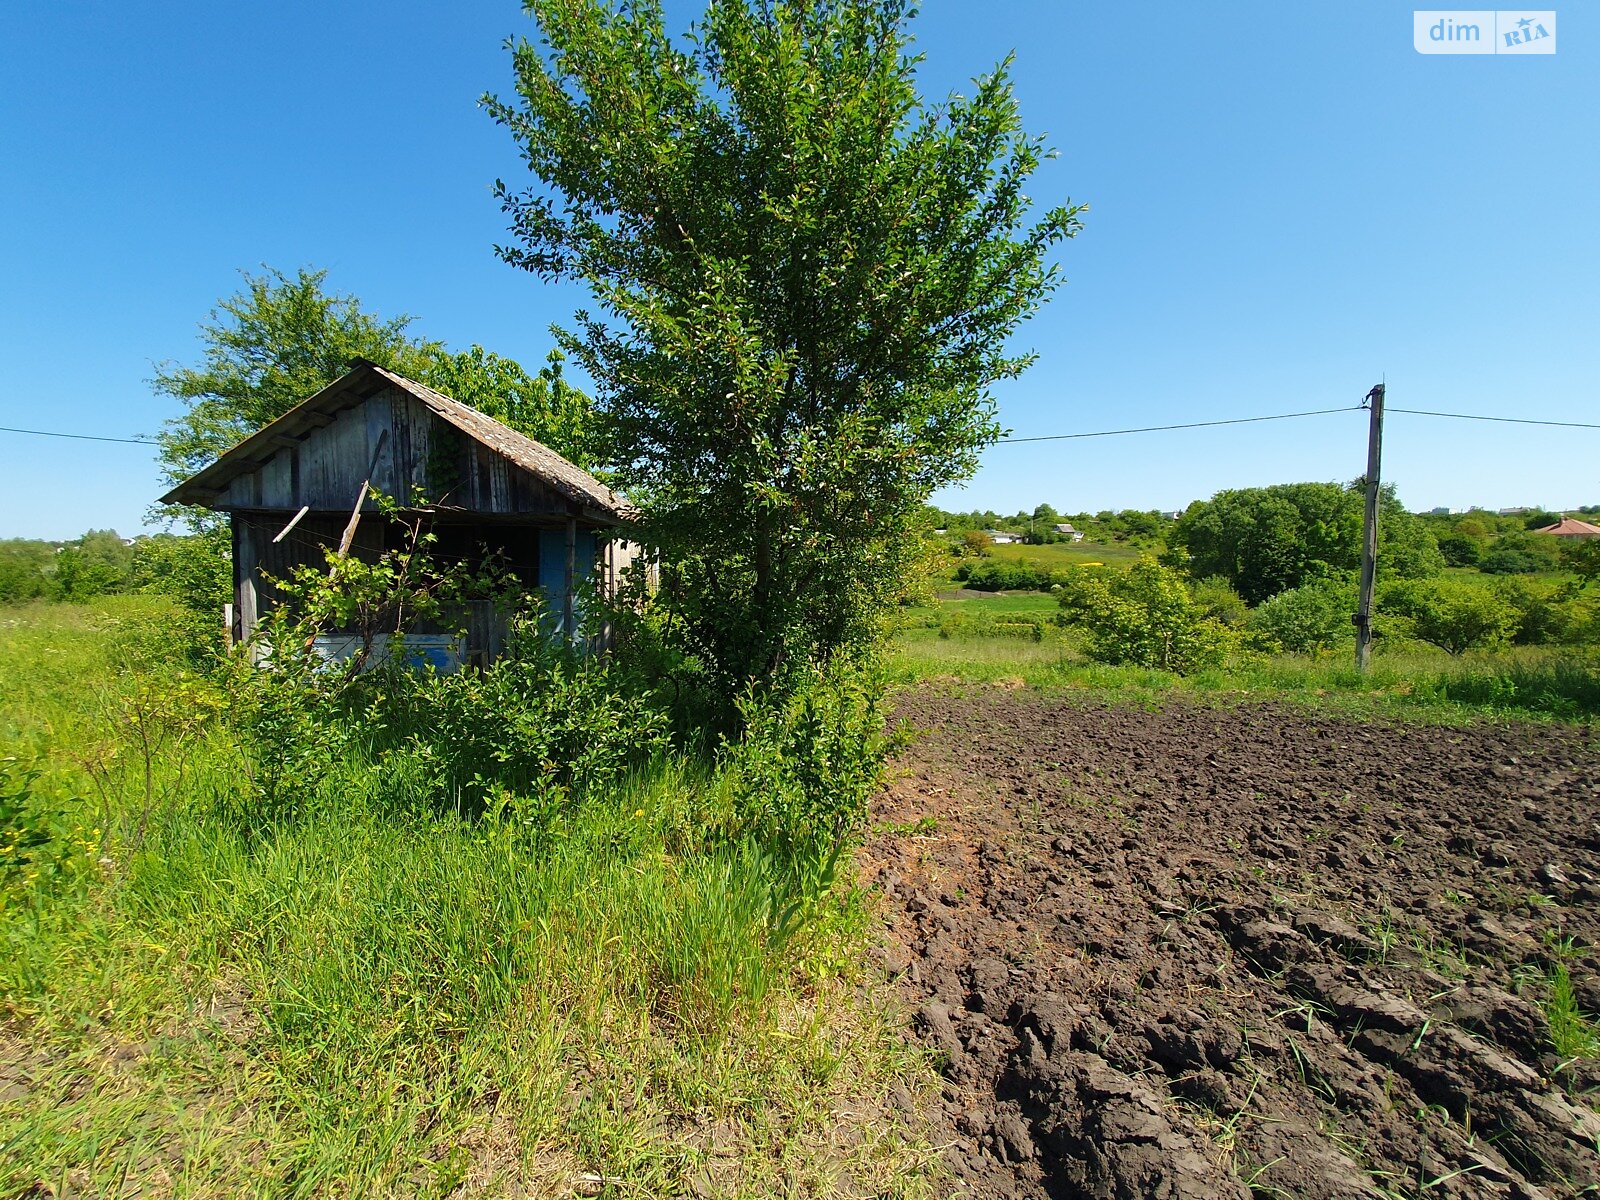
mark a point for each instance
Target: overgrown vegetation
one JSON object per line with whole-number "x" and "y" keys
{"x": 380, "y": 930}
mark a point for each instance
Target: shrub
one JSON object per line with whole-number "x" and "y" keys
{"x": 1216, "y": 597}
{"x": 544, "y": 723}
{"x": 1541, "y": 616}
{"x": 1454, "y": 615}
{"x": 1147, "y": 617}
{"x": 1522, "y": 554}
{"x": 806, "y": 764}
{"x": 977, "y": 623}
{"x": 196, "y": 571}
{"x": 1461, "y": 550}
{"x": 1001, "y": 576}
{"x": 26, "y": 567}
{"x": 1509, "y": 562}
{"x": 40, "y": 849}
{"x": 1305, "y": 619}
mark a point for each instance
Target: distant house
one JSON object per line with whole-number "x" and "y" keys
{"x": 300, "y": 486}
{"x": 1513, "y": 512}
{"x": 1567, "y": 527}
{"x": 1002, "y": 537}
{"x": 1066, "y": 528}
{"x": 1173, "y": 515}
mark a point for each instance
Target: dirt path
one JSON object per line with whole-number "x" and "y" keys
{"x": 1208, "y": 952}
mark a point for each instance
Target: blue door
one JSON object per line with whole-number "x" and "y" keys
{"x": 553, "y": 573}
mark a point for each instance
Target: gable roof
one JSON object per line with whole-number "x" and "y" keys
{"x": 1568, "y": 527}
{"x": 365, "y": 380}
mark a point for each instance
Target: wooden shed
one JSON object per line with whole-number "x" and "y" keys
{"x": 291, "y": 489}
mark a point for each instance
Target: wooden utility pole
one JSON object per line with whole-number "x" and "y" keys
{"x": 1369, "y": 530}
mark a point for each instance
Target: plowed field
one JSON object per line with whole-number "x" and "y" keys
{"x": 1210, "y": 952}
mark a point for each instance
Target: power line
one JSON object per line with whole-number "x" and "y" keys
{"x": 1053, "y": 437}
{"x": 1417, "y": 412}
{"x": 1061, "y": 437}
{"x": 1422, "y": 412}
{"x": 80, "y": 437}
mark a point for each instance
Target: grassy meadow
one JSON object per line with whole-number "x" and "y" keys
{"x": 354, "y": 996}
{"x": 1013, "y": 638}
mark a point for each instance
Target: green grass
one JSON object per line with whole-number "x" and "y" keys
{"x": 997, "y": 603}
{"x": 1062, "y": 554}
{"x": 1414, "y": 683}
{"x": 359, "y": 1000}
{"x": 1572, "y": 1032}
{"x": 1056, "y": 555}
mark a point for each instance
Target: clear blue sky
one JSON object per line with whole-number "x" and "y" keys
{"x": 1287, "y": 203}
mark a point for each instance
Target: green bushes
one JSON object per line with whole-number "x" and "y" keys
{"x": 34, "y": 844}
{"x": 1460, "y": 549}
{"x": 998, "y": 575}
{"x": 1449, "y": 613}
{"x": 1521, "y": 554}
{"x": 97, "y": 564}
{"x": 979, "y": 623}
{"x": 1147, "y": 617}
{"x": 805, "y": 767}
{"x": 1306, "y": 619}
{"x": 430, "y": 903}
{"x": 1218, "y": 600}
{"x": 1268, "y": 540}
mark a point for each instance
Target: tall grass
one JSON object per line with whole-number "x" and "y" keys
{"x": 362, "y": 994}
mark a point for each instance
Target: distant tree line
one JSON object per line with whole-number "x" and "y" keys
{"x": 1134, "y": 527}
{"x": 189, "y": 567}
{"x": 1501, "y": 544}
{"x": 1273, "y": 569}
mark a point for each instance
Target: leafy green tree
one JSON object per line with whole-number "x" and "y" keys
{"x": 1542, "y": 612}
{"x": 808, "y": 279}
{"x": 1452, "y": 614}
{"x": 265, "y": 349}
{"x": 977, "y": 543}
{"x": 1268, "y": 540}
{"x": 26, "y": 568}
{"x": 1539, "y": 519}
{"x": 1147, "y": 617}
{"x": 1219, "y": 601}
{"x": 1460, "y": 550}
{"x": 1131, "y": 524}
{"x": 544, "y": 406}
{"x": 195, "y": 571}
{"x": 1521, "y": 554}
{"x": 96, "y": 564}
{"x": 1582, "y": 557}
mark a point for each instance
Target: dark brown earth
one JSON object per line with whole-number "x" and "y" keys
{"x": 1209, "y": 952}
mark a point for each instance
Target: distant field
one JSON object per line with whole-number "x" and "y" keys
{"x": 1068, "y": 554}
{"x": 1415, "y": 682}
{"x": 1055, "y": 556}
{"x": 998, "y": 603}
